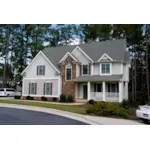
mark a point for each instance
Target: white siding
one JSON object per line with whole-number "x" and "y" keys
{"x": 125, "y": 73}
{"x": 96, "y": 69}
{"x": 116, "y": 68}
{"x": 81, "y": 57}
{"x": 40, "y": 60}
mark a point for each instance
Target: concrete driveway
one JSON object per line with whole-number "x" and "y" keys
{"x": 13, "y": 116}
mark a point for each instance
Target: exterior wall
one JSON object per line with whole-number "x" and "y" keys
{"x": 68, "y": 87}
{"x": 125, "y": 73}
{"x": 40, "y": 87}
{"x": 40, "y": 60}
{"x": 96, "y": 69}
{"x": 81, "y": 57}
{"x": 116, "y": 68}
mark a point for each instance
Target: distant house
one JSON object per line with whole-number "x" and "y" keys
{"x": 98, "y": 71}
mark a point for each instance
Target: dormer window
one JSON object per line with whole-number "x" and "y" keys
{"x": 41, "y": 70}
{"x": 68, "y": 72}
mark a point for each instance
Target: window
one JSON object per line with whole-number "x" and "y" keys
{"x": 41, "y": 70}
{"x": 68, "y": 72}
{"x": 97, "y": 87}
{"x": 85, "y": 69}
{"x": 32, "y": 88}
{"x": 47, "y": 88}
{"x": 105, "y": 69}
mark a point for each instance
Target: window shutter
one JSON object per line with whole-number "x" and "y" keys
{"x": 80, "y": 69}
{"x": 35, "y": 90}
{"x": 89, "y": 69}
{"x": 29, "y": 88}
{"x": 43, "y": 70}
{"x": 37, "y": 73}
{"x": 51, "y": 88}
{"x": 44, "y": 89}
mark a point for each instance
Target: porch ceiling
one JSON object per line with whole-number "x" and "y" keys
{"x": 98, "y": 78}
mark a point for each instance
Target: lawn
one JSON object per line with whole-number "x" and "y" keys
{"x": 80, "y": 109}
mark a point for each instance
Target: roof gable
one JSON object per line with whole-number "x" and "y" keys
{"x": 105, "y": 57}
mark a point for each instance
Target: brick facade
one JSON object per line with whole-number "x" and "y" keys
{"x": 68, "y": 87}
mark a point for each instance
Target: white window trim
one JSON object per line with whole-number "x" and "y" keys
{"x": 46, "y": 87}
{"x": 82, "y": 70}
{"x": 42, "y": 70}
{"x": 34, "y": 87}
{"x": 82, "y": 53}
{"x": 66, "y": 72}
{"x": 66, "y": 55}
{"x": 105, "y": 74}
{"x": 104, "y": 56}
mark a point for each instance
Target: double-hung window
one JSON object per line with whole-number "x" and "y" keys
{"x": 85, "y": 69}
{"x": 105, "y": 68}
{"x": 41, "y": 70}
{"x": 32, "y": 88}
{"x": 68, "y": 72}
{"x": 47, "y": 88}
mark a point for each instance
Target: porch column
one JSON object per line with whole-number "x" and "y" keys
{"x": 120, "y": 91}
{"x": 89, "y": 90}
{"x": 104, "y": 89}
{"x": 126, "y": 90}
{"x": 76, "y": 90}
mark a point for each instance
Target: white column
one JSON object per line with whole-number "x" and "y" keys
{"x": 126, "y": 89}
{"x": 104, "y": 89}
{"x": 23, "y": 87}
{"x": 89, "y": 90}
{"x": 120, "y": 91}
{"x": 76, "y": 90}
{"x": 92, "y": 69}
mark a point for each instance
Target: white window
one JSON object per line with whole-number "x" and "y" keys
{"x": 85, "y": 69}
{"x": 41, "y": 70}
{"x": 68, "y": 72}
{"x": 47, "y": 90}
{"x": 105, "y": 69}
{"x": 32, "y": 88}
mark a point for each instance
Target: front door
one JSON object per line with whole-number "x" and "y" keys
{"x": 85, "y": 92}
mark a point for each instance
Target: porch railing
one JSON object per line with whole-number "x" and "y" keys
{"x": 97, "y": 95}
{"x": 111, "y": 95}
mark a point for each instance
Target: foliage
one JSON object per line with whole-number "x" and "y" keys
{"x": 17, "y": 97}
{"x": 91, "y": 101}
{"x": 54, "y": 99}
{"x": 29, "y": 98}
{"x": 43, "y": 98}
{"x": 63, "y": 98}
{"x": 70, "y": 98}
{"x": 108, "y": 109}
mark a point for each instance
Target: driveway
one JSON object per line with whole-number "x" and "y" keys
{"x": 12, "y": 116}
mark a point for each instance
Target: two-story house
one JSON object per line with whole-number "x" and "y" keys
{"x": 98, "y": 71}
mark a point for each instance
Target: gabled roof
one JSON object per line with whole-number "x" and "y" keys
{"x": 115, "y": 49}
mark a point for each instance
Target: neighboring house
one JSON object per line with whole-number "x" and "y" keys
{"x": 98, "y": 71}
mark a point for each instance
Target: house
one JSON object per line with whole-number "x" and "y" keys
{"x": 98, "y": 71}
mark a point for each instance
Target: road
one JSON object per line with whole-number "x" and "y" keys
{"x": 12, "y": 116}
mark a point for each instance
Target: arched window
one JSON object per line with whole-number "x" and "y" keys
{"x": 68, "y": 72}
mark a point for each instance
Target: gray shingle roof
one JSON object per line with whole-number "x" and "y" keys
{"x": 116, "y": 49}
{"x": 98, "y": 78}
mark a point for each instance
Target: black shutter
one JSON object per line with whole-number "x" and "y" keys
{"x": 51, "y": 88}
{"x": 37, "y": 73}
{"x": 80, "y": 69}
{"x": 43, "y": 70}
{"x": 44, "y": 89}
{"x": 35, "y": 90}
{"x": 29, "y": 88}
{"x": 89, "y": 69}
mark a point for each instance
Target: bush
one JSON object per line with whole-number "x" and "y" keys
{"x": 70, "y": 98}
{"x": 29, "y": 98}
{"x": 43, "y": 98}
{"x": 17, "y": 97}
{"x": 108, "y": 109}
{"x": 63, "y": 98}
{"x": 125, "y": 104}
{"x": 91, "y": 101}
{"x": 55, "y": 99}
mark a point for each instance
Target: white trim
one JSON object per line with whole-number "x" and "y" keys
{"x": 40, "y": 52}
{"x": 104, "y": 90}
{"x": 66, "y": 72}
{"x": 82, "y": 52}
{"x": 105, "y": 74}
{"x": 89, "y": 90}
{"x": 23, "y": 86}
{"x": 41, "y": 95}
{"x": 121, "y": 68}
{"x": 66, "y": 55}
{"x": 104, "y": 56}
{"x": 41, "y": 78}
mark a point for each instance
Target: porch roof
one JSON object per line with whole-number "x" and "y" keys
{"x": 98, "y": 78}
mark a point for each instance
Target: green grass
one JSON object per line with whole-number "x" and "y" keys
{"x": 80, "y": 109}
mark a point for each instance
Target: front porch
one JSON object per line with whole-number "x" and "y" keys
{"x": 112, "y": 91}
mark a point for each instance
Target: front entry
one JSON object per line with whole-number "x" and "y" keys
{"x": 85, "y": 92}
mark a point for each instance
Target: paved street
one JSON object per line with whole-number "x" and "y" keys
{"x": 12, "y": 116}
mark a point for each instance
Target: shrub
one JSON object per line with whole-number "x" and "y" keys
{"x": 29, "y": 98}
{"x": 91, "y": 101}
{"x": 63, "y": 98}
{"x": 108, "y": 109}
{"x": 54, "y": 99}
{"x": 43, "y": 98}
{"x": 17, "y": 97}
{"x": 125, "y": 104}
{"x": 70, "y": 98}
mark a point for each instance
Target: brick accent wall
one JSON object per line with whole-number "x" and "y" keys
{"x": 68, "y": 87}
